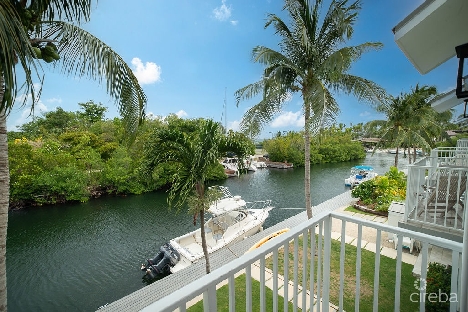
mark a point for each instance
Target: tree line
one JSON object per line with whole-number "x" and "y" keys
{"x": 66, "y": 156}
{"x": 73, "y": 156}
{"x": 331, "y": 145}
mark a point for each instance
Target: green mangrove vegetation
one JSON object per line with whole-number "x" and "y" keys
{"x": 74, "y": 156}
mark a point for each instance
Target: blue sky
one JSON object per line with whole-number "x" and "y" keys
{"x": 191, "y": 56}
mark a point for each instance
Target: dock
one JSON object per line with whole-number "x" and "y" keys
{"x": 278, "y": 165}
{"x": 161, "y": 288}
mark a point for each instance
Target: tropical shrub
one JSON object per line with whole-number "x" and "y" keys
{"x": 438, "y": 282}
{"x": 289, "y": 148}
{"x": 378, "y": 193}
{"x": 119, "y": 175}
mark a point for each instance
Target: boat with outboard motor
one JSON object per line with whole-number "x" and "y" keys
{"x": 232, "y": 220}
{"x": 360, "y": 174}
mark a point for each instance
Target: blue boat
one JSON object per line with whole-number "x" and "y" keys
{"x": 360, "y": 174}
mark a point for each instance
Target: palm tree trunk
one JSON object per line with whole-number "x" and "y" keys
{"x": 307, "y": 159}
{"x": 203, "y": 242}
{"x": 200, "y": 188}
{"x": 414, "y": 154}
{"x": 396, "y": 157}
{"x": 4, "y": 202}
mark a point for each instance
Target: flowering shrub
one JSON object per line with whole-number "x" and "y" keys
{"x": 379, "y": 192}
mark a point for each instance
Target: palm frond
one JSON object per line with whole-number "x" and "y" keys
{"x": 364, "y": 90}
{"x": 249, "y": 91}
{"x": 82, "y": 54}
{"x": 323, "y": 106}
{"x": 267, "y": 56}
{"x": 69, "y": 10}
{"x": 259, "y": 115}
{"x": 280, "y": 27}
{"x": 340, "y": 61}
{"x": 13, "y": 39}
{"x": 338, "y": 23}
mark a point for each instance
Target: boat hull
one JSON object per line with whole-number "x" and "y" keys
{"x": 190, "y": 248}
{"x": 232, "y": 220}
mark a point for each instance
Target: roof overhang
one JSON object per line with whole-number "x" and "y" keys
{"x": 445, "y": 101}
{"x": 428, "y": 35}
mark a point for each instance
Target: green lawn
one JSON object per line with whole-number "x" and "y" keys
{"x": 223, "y": 298}
{"x": 386, "y": 284}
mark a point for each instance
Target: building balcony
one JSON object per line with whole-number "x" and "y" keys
{"x": 436, "y": 193}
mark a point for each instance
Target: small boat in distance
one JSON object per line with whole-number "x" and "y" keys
{"x": 360, "y": 174}
{"x": 233, "y": 164}
{"x": 233, "y": 219}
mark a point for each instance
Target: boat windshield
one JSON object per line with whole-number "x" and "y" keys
{"x": 218, "y": 225}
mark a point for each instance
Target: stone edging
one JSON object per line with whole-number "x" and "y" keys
{"x": 372, "y": 211}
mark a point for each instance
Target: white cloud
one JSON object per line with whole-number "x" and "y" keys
{"x": 288, "y": 119}
{"x": 146, "y": 73}
{"x": 54, "y": 100}
{"x": 223, "y": 12}
{"x": 181, "y": 114}
{"x": 27, "y": 115}
{"x": 234, "y": 23}
{"x": 233, "y": 125}
{"x": 364, "y": 114}
{"x": 152, "y": 116}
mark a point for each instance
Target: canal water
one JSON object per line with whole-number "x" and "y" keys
{"x": 78, "y": 257}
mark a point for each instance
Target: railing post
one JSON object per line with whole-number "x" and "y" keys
{"x": 409, "y": 190}
{"x": 232, "y": 293}
{"x": 433, "y": 161}
{"x": 326, "y": 263}
{"x": 262, "y": 285}
{"x": 209, "y": 299}
{"x": 248, "y": 289}
{"x": 464, "y": 270}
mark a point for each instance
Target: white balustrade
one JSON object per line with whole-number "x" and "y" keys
{"x": 319, "y": 268}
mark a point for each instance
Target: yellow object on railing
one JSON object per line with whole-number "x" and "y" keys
{"x": 267, "y": 238}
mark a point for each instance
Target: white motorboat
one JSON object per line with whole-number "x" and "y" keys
{"x": 360, "y": 174}
{"x": 233, "y": 164}
{"x": 254, "y": 160}
{"x": 233, "y": 219}
{"x": 229, "y": 171}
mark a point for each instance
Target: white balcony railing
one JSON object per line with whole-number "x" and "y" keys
{"x": 436, "y": 191}
{"x": 307, "y": 265}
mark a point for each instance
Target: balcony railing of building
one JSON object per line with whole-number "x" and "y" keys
{"x": 307, "y": 267}
{"x": 436, "y": 188}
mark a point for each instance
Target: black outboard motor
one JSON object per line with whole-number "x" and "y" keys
{"x": 162, "y": 262}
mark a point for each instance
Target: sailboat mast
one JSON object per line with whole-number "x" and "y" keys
{"x": 225, "y": 111}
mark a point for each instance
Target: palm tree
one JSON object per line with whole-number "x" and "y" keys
{"x": 48, "y": 30}
{"x": 312, "y": 61}
{"x": 411, "y": 121}
{"x": 193, "y": 154}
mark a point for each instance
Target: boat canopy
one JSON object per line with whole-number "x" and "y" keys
{"x": 227, "y": 204}
{"x": 366, "y": 168}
